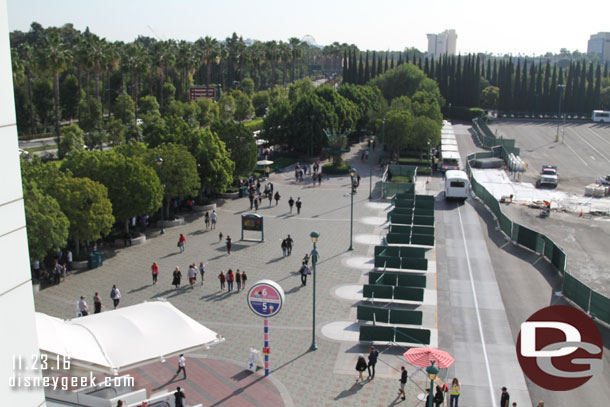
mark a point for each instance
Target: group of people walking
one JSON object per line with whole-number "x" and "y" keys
{"x": 230, "y": 278}
{"x": 177, "y": 274}
{"x": 314, "y": 171}
{"x": 83, "y": 308}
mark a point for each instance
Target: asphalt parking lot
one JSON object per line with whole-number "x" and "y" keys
{"x": 582, "y": 153}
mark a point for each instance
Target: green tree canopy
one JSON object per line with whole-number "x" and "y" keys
{"x": 69, "y": 95}
{"x": 420, "y": 130}
{"x": 240, "y": 143}
{"x": 243, "y": 106}
{"x": 177, "y": 171}
{"x": 208, "y": 111}
{"x": 404, "y": 80}
{"x": 260, "y": 102}
{"x": 489, "y": 97}
{"x": 397, "y": 129}
{"x": 116, "y": 131}
{"x": 149, "y": 106}
{"x": 72, "y": 139}
{"x": 125, "y": 109}
{"x": 90, "y": 114}
{"x": 247, "y": 85}
{"x": 368, "y": 99}
{"x": 215, "y": 165}
{"x": 226, "y": 107}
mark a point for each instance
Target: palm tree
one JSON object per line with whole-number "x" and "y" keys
{"x": 271, "y": 52}
{"x": 295, "y": 46}
{"x": 209, "y": 50}
{"x": 257, "y": 58}
{"x": 135, "y": 60}
{"x": 54, "y": 57}
{"x": 27, "y": 58}
{"x": 184, "y": 63}
{"x": 163, "y": 58}
{"x": 285, "y": 55}
{"x": 97, "y": 53}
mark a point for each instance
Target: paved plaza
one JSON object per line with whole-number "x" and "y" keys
{"x": 303, "y": 378}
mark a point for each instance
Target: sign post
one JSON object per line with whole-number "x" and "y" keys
{"x": 252, "y": 222}
{"x": 265, "y": 299}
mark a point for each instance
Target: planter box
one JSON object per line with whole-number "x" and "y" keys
{"x": 230, "y": 195}
{"x": 79, "y": 265}
{"x": 171, "y": 223}
{"x": 204, "y": 208}
{"x": 134, "y": 241}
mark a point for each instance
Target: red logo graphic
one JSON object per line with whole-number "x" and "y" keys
{"x": 559, "y": 348}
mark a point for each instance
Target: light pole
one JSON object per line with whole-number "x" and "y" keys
{"x": 314, "y": 259}
{"x": 432, "y": 373}
{"x": 428, "y": 148}
{"x": 311, "y": 138}
{"x": 371, "y": 171}
{"x": 383, "y": 133}
{"x": 352, "y": 172}
{"x": 160, "y": 164}
{"x": 561, "y": 87}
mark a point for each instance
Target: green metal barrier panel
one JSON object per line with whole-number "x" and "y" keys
{"x": 401, "y": 219}
{"x": 366, "y": 313}
{"x": 412, "y": 335}
{"x": 540, "y": 244}
{"x": 505, "y": 224}
{"x": 424, "y": 240}
{"x": 402, "y": 211}
{"x": 548, "y": 248}
{"x": 422, "y": 230}
{"x": 405, "y": 195}
{"x": 515, "y": 235}
{"x": 576, "y": 291}
{"x": 423, "y": 211}
{"x": 600, "y": 307}
{"x": 422, "y": 198}
{"x": 411, "y": 280}
{"x": 400, "y": 229}
{"x": 494, "y": 205}
{"x": 404, "y": 170}
{"x": 378, "y": 291}
{"x": 390, "y": 251}
{"x": 370, "y": 333}
{"x": 389, "y": 189}
{"x": 559, "y": 258}
{"x": 424, "y": 204}
{"x": 398, "y": 238}
{"x": 403, "y": 203}
{"x": 408, "y": 294}
{"x": 386, "y": 261}
{"x": 413, "y": 252}
{"x": 423, "y": 220}
{"x": 374, "y": 276}
{"x": 414, "y": 264}
{"x": 527, "y": 237}
{"x": 405, "y": 317}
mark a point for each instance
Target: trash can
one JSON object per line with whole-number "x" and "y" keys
{"x": 94, "y": 260}
{"x": 100, "y": 258}
{"x": 243, "y": 191}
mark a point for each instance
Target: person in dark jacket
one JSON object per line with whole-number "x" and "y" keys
{"x": 360, "y": 367}
{"x": 373, "y": 353}
{"x": 403, "y": 382}
{"x": 439, "y": 397}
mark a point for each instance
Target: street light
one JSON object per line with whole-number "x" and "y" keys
{"x": 314, "y": 259}
{"x": 370, "y": 170}
{"x": 160, "y": 164}
{"x": 352, "y": 172}
{"x": 312, "y": 132}
{"x": 428, "y": 148}
{"x": 432, "y": 374}
{"x": 561, "y": 87}
{"x": 383, "y": 133}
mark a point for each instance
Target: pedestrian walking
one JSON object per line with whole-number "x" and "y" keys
{"x": 504, "y": 398}
{"x": 304, "y": 270}
{"x": 277, "y": 198}
{"x": 403, "y": 382}
{"x": 360, "y": 367}
{"x": 69, "y": 260}
{"x": 179, "y": 397}
{"x": 454, "y": 396}
{"x": 82, "y": 307}
{"x": 306, "y": 258}
{"x": 373, "y": 354}
{"x": 181, "y": 365}
{"x": 366, "y": 155}
{"x": 229, "y": 244}
{"x": 115, "y": 294}
{"x": 230, "y": 279}
{"x": 256, "y": 205}
{"x": 207, "y": 220}
{"x": 313, "y": 178}
{"x": 222, "y": 279}
{"x": 97, "y": 303}
{"x": 251, "y": 198}
{"x": 202, "y": 270}
{"x": 155, "y": 272}
{"x": 284, "y": 246}
{"x": 213, "y": 217}
{"x": 238, "y": 279}
{"x": 244, "y": 278}
{"x": 439, "y": 397}
{"x": 296, "y": 173}
{"x": 299, "y": 203}
{"x": 181, "y": 241}
{"x": 220, "y": 236}
{"x": 289, "y": 244}
{"x": 270, "y": 196}
{"x": 320, "y": 179}
{"x": 177, "y": 276}
{"x": 291, "y": 203}
{"x": 192, "y": 275}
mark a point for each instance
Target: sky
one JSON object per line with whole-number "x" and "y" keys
{"x": 531, "y": 27}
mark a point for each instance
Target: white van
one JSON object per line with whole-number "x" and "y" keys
{"x": 457, "y": 185}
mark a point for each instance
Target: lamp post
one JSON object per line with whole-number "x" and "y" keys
{"x": 383, "y": 133}
{"x": 428, "y": 149}
{"x": 370, "y": 171}
{"x": 352, "y": 172}
{"x": 432, "y": 374}
{"x": 314, "y": 259}
{"x": 311, "y": 138}
{"x": 160, "y": 164}
{"x": 561, "y": 87}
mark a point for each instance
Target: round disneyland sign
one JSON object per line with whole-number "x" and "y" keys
{"x": 266, "y": 298}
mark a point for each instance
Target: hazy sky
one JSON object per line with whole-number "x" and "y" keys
{"x": 519, "y": 26}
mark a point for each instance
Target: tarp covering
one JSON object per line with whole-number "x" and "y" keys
{"x": 118, "y": 340}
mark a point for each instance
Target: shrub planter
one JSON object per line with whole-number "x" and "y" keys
{"x": 79, "y": 265}
{"x": 204, "y": 208}
{"x": 171, "y": 223}
{"x": 135, "y": 241}
{"x": 230, "y": 195}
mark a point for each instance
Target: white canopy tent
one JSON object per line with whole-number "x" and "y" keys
{"x": 122, "y": 339}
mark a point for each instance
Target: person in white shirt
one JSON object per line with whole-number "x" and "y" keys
{"x": 115, "y": 294}
{"x": 181, "y": 365}
{"x": 192, "y": 274}
{"x": 82, "y": 307}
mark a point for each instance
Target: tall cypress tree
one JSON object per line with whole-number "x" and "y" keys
{"x": 379, "y": 66}
{"x": 353, "y": 71}
{"x": 539, "y": 88}
{"x": 545, "y": 87}
{"x": 517, "y": 102}
{"x": 582, "y": 89}
{"x": 569, "y": 89}
{"x": 367, "y": 72}
{"x": 386, "y": 66}
{"x": 488, "y": 74}
{"x": 345, "y": 78}
{"x": 399, "y": 59}
{"x": 553, "y": 90}
{"x": 374, "y": 66}
{"x": 407, "y": 60}
{"x": 606, "y": 70}
{"x": 360, "y": 71}
{"x": 476, "y": 86}
{"x": 494, "y": 77}
{"x": 589, "y": 96}
{"x": 392, "y": 62}
{"x": 531, "y": 91}
{"x": 523, "y": 87}
{"x": 598, "y": 87}
{"x": 432, "y": 71}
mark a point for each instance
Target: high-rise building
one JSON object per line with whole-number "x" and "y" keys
{"x": 18, "y": 338}
{"x": 443, "y": 43}
{"x": 599, "y": 44}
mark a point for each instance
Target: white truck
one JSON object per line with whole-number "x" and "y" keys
{"x": 548, "y": 176}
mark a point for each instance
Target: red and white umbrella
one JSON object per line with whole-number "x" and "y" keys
{"x": 422, "y": 357}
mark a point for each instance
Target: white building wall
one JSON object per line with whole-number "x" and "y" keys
{"x": 18, "y": 331}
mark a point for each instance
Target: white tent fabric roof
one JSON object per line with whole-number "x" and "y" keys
{"x": 125, "y": 338}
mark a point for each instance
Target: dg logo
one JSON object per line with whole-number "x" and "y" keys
{"x": 559, "y": 348}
